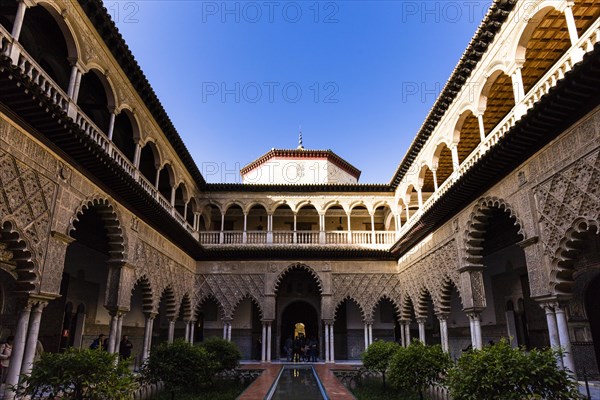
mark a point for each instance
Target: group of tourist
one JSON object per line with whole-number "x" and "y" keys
{"x": 125, "y": 346}
{"x": 301, "y": 349}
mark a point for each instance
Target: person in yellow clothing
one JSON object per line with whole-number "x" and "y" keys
{"x": 5, "y": 352}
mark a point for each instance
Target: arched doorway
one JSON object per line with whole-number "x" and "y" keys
{"x": 298, "y": 300}
{"x": 298, "y": 312}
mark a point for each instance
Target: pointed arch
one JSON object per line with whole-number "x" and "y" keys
{"x": 252, "y": 298}
{"x": 117, "y": 240}
{"x": 298, "y": 267}
{"x": 149, "y": 303}
{"x": 349, "y": 298}
{"x": 393, "y": 302}
{"x": 209, "y": 297}
{"x": 15, "y": 242}
{"x": 478, "y": 224}
{"x": 565, "y": 256}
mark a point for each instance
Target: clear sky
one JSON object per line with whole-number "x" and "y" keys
{"x": 238, "y": 78}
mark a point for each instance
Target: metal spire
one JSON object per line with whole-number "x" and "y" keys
{"x": 300, "y": 146}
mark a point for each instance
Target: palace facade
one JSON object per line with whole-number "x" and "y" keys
{"x": 489, "y": 228}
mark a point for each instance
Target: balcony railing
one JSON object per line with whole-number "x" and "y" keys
{"x": 371, "y": 239}
{"x": 573, "y": 55}
{"x": 35, "y": 73}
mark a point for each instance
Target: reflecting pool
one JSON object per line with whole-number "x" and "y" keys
{"x": 297, "y": 382}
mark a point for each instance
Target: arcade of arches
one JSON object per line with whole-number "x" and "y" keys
{"x": 489, "y": 229}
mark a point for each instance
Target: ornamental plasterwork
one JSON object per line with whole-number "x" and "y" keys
{"x": 366, "y": 290}
{"x": 570, "y": 194}
{"x": 230, "y": 290}
{"x": 26, "y": 199}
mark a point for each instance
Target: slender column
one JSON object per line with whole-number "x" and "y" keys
{"x": 77, "y": 86}
{"x": 326, "y": 342}
{"x": 269, "y": 228}
{"x": 420, "y": 198}
{"x": 148, "y": 335}
{"x": 245, "y": 234}
{"x": 553, "y": 330}
{"x": 137, "y": 155}
{"x": 565, "y": 340}
{"x": 373, "y": 228}
{"x": 568, "y": 11}
{"x": 295, "y": 238}
{"x": 435, "y": 181}
{"x": 421, "y": 322}
{"x": 407, "y": 213}
{"x": 173, "y": 191}
{"x": 443, "y": 318}
{"x": 321, "y": 229}
{"x": 475, "y": 324}
{"x": 32, "y": 337}
{"x": 224, "y": 330}
{"x": 111, "y": 125}
{"x": 331, "y": 344}
{"x": 455, "y": 161}
{"x": 187, "y": 331}
{"x": 112, "y": 336}
{"x": 349, "y": 229}
{"x": 171, "y": 336}
{"x": 402, "y": 334}
{"x": 366, "y": 336}
{"x": 407, "y": 333}
{"x": 269, "y": 341}
{"x": 221, "y": 234}
{"x": 18, "y": 24}
{"x": 263, "y": 356}
{"x": 72, "y": 79}
{"x": 192, "y": 331}
{"x": 16, "y": 358}
{"x": 185, "y": 208}
{"x": 370, "y": 334}
{"x": 229, "y": 332}
{"x": 157, "y": 179}
{"x": 481, "y": 131}
{"x": 119, "y": 331}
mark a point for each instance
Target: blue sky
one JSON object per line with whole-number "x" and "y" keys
{"x": 238, "y": 78}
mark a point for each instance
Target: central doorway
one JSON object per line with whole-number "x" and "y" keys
{"x": 298, "y": 312}
{"x": 298, "y": 301}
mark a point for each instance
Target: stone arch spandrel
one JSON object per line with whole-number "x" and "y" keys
{"x": 27, "y": 200}
{"x": 303, "y": 267}
{"x": 365, "y": 290}
{"x": 230, "y": 290}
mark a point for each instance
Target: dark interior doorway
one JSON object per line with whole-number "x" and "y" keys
{"x": 592, "y": 307}
{"x": 299, "y": 311}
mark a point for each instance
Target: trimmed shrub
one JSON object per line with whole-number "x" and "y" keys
{"x": 180, "y": 366}
{"x": 501, "y": 372}
{"x": 378, "y": 355}
{"x": 417, "y": 367}
{"x": 79, "y": 375}
{"x": 225, "y": 354}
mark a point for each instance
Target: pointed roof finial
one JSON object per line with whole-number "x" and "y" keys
{"x": 300, "y": 146}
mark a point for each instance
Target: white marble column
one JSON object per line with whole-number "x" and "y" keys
{"x": 263, "y": 357}
{"x": 370, "y": 334}
{"x": 475, "y": 324}
{"x": 16, "y": 359}
{"x": 421, "y": 322}
{"x": 192, "y": 332}
{"x": 455, "y": 160}
{"x": 366, "y": 336}
{"x": 229, "y": 332}
{"x": 331, "y": 343}
{"x": 112, "y": 335}
{"x": 326, "y": 342}
{"x": 402, "y": 334}
{"x": 564, "y": 338}
{"x": 407, "y": 333}
{"x": 269, "y": 332}
{"x": 148, "y": 335}
{"x": 171, "y": 336}
{"x": 19, "y": 17}
{"x": 443, "y": 318}
{"x": 32, "y": 337}
{"x": 553, "y": 330}
{"x": 481, "y": 127}
{"x": 119, "y": 334}
{"x": 187, "y": 331}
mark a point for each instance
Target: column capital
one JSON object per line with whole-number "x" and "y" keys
{"x": 474, "y": 314}
{"x": 442, "y": 316}
{"x": 368, "y": 321}
{"x": 422, "y": 320}
{"x": 151, "y": 315}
